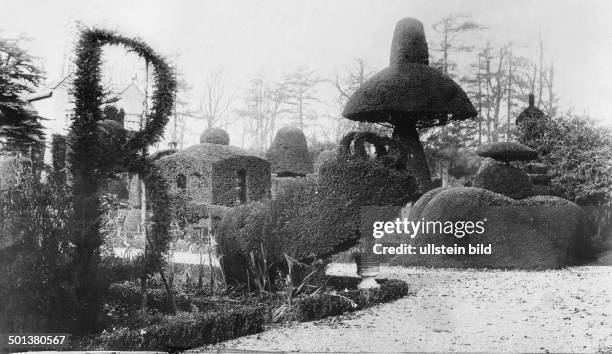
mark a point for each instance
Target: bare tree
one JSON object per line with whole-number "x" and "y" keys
{"x": 261, "y": 107}
{"x": 450, "y": 28}
{"x": 301, "y": 93}
{"x": 215, "y": 102}
{"x": 346, "y": 83}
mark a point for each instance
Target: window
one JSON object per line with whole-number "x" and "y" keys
{"x": 181, "y": 182}
{"x": 241, "y": 187}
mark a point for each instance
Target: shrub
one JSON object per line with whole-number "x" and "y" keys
{"x": 311, "y": 217}
{"x": 533, "y": 233}
{"x": 35, "y": 257}
{"x": 184, "y": 330}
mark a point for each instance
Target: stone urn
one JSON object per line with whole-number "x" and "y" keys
{"x": 368, "y": 267}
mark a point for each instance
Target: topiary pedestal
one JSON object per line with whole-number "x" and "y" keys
{"x": 368, "y": 267}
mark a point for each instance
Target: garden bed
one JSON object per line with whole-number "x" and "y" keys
{"x": 203, "y": 319}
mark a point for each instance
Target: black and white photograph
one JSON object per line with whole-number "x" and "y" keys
{"x": 344, "y": 176}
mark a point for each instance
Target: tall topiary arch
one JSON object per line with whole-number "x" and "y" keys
{"x": 91, "y": 160}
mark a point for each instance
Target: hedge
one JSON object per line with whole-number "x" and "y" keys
{"x": 540, "y": 232}
{"x": 184, "y": 330}
{"x": 323, "y": 305}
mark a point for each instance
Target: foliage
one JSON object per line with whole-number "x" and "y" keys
{"x": 184, "y": 330}
{"x": 91, "y": 160}
{"x": 579, "y": 153}
{"x": 35, "y": 257}
{"x": 115, "y": 114}
{"x": 325, "y": 304}
{"x": 19, "y": 127}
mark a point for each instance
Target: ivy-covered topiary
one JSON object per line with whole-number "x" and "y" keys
{"x": 210, "y": 173}
{"x": 92, "y": 159}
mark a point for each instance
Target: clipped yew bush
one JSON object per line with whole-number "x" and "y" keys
{"x": 505, "y": 179}
{"x": 533, "y": 233}
{"x": 312, "y": 217}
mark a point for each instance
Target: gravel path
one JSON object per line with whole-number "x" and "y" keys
{"x": 566, "y": 310}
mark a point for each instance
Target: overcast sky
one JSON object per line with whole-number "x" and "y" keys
{"x": 248, "y": 37}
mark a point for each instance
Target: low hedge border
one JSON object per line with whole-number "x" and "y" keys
{"x": 316, "y": 307}
{"x": 187, "y": 330}
{"x": 184, "y": 330}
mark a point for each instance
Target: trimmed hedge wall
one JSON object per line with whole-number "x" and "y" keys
{"x": 323, "y": 305}
{"x": 311, "y": 217}
{"x": 184, "y": 330}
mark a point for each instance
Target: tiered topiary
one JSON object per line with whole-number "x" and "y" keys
{"x": 214, "y": 136}
{"x": 503, "y": 178}
{"x": 538, "y": 173}
{"x": 410, "y": 95}
{"x": 289, "y": 155}
{"x": 534, "y": 128}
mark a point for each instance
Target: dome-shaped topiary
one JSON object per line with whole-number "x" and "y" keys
{"x": 504, "y": 179}
{"x": 288, "y": 154}
{"x": 214, "y": 136}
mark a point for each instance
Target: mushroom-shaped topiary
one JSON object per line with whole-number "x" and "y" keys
{"x": 214, "y": 136}
{"x": 507, "y": 151}
{"x": 503, "y": 178}
{"x": 288, "y": 155}
{"x": 409, "y": 94}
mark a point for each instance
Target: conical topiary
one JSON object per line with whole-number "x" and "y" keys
{"x": 288, "y": 155}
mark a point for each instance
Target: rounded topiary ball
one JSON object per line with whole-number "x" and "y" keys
{"x": 504, "y": 179}
{"x": 214, "y": 136}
